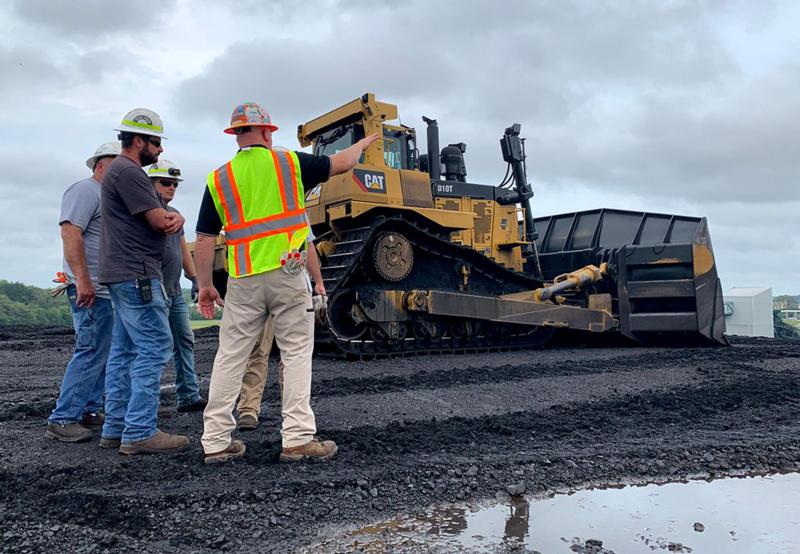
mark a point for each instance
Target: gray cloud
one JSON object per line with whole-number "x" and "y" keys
{"x": 91, "y": 18}
{"x": 678, "y": 107}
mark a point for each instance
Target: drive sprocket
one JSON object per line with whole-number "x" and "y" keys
{"x": 392, "y": 256}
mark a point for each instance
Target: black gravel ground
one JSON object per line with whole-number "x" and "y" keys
{"x": 411, "y": 432}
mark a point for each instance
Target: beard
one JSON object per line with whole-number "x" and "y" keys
{"x": 147, "y": 158}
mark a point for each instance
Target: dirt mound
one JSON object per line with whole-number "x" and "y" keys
{"x": 637, "y": 414}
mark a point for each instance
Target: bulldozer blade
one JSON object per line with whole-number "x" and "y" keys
{"x": 662, "y": 273}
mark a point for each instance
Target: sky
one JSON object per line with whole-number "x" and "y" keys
{"x": 672, "y": 107}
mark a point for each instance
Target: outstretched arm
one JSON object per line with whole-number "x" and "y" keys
{"x": 344, "y": 161}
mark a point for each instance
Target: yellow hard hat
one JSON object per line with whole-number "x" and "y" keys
{"x": 250, "y": 114}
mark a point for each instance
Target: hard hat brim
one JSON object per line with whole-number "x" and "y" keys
{"x": 167, "y": 178}
{"x": 136, "y": 131}
{"x": 270, "y": 126}
{"x": 90, "y": 163}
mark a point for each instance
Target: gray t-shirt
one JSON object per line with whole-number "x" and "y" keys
{"x": 80, "y": 206}
{"x": 172, "y": 264}
{"x": 129, "y": 247}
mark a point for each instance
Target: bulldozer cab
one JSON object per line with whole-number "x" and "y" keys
{"x": 399, "y": 143}
{"x": 344, "y": 126}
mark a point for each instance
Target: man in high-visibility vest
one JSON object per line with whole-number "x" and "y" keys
{"x": 258, "y": 199}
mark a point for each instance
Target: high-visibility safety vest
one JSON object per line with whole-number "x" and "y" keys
{"x": 259, "y": 198}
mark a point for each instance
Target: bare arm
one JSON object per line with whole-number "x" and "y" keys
{"x": 344, "y": 161}
{"x": 204, "y": 257}
{"x": 314, "y": 269}
{"x": 188, "y": 263}
{"x": 163, "y": 221}
{"x": 72, "y": 237}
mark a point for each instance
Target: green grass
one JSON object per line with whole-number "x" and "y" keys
{"x": 201, "y": 323}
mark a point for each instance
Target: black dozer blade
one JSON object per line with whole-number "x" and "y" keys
{"x": 662, "y": 273}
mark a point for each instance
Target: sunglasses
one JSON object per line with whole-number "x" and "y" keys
{"x": 154, "y": 141}
{"x": 173, "y": 184}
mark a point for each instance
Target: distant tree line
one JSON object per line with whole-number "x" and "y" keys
{"x": 26, "y": 305}
{"x": 22, "y": 304}
{"x": 785, "y": 302}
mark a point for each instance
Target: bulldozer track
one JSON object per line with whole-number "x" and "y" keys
{"x": 342, "y": 267}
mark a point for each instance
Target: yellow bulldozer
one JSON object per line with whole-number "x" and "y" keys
{"x": 416, "y": 259}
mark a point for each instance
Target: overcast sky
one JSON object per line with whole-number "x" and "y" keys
{"x": 676, "y": 107}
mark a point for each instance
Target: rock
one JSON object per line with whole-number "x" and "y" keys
{"x": 218, "y": 541}
{"x": 261, "y": 495}
{"x": 472, "y": 471}
{"x": 516, "y": 489}
{"x": 594, "y": 542}
{"x": 373, "y": 492}
{"x": 708, "y": 457}
{"x": 362, "y": 483}
{"x": 699, "y": 527}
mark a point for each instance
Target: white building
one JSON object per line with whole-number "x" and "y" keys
{"x": 748, "y": 312}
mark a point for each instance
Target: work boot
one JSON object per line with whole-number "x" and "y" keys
{"x": 247, "y": 423}
{"x": 93, "y": 420}
{"x": 234, "y": 451}
{"x": 110, "y": 442}
{"x": 68, "y": 432}
{"x": 198, "y": 406}
{"x": 315, "y": 449}
{"x": 160, "y": 443}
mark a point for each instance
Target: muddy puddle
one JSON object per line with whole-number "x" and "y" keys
{"x": 753, "y": 515}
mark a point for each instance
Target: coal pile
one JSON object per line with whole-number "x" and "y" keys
{"x": 411, "y": 432}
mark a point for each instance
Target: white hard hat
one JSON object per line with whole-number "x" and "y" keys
{"x": 164, "y": 169}
{"x": 105, "y": 149}
{"x": 142, "y": 122}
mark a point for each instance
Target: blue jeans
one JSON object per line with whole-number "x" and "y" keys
{"x": 186, "y": 388}
{"x": 84, "y": 379}
{"x": 140, "y": 348}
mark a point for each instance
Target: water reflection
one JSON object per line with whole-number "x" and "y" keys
{"x": 756, "y": 515}
{"x": 516, "y": 528}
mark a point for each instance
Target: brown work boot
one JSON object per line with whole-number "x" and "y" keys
{"x": 160, "y": 443}
{"x": 110, "y": 442}
{"x": 234, "y": 451}
{"x": 68, "y": 432}
{"x": 315, "y": 449}
{"x": 247, "y": 423}
{"x": 93, "y": 420}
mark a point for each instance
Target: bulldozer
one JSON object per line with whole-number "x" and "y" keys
{"x": 417, "y": 259}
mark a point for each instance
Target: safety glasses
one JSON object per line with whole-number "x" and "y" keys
{"x": 152, "y": 140}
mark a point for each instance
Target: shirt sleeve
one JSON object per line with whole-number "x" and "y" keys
{"x": 78, "y": 206}
{"x": 208, "y": 221}
{"x": 137, "y": 191}
{"x": 313, "y": 169}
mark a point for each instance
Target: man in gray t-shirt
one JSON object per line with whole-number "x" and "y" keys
{"x": 135, "y": 227}
{"x": 166, "y": 177}
{"x": 80, "y": 399}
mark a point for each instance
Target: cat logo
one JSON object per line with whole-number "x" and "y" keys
{"x": 370, "y": 181}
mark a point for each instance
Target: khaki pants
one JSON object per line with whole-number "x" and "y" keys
{"x": 255, "y": 375}
{"x": 248, "y": 303}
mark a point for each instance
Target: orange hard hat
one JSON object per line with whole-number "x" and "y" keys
{"x": 250, "y": 114}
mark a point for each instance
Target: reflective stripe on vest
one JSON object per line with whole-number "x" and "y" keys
{"x": 277, "y": 222}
